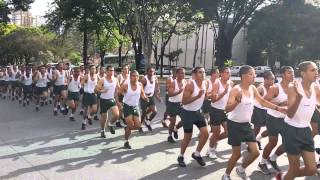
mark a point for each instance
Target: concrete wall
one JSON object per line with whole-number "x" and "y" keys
{"x": 207, "y": 59}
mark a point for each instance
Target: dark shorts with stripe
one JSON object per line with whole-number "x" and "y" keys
{"x": 217, "y": 116}
{"x": 239, "y": 132}
{"x": 259, "y": 117}
{"x": 295, "y": 140}
{"x": 190, "y": 118}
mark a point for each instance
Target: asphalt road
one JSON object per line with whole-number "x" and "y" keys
{"x": 37, "y": 145}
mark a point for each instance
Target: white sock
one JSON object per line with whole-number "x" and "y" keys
{"x": 71, "y": 115}
{"x": 226, "y": 175}
{"x": 259, "y": 137}
{"x": 197, "y": 153}
{"x": 84, "y": 121}
{"x": 241, "y": 169}
{"x": 212, "y": 148}
{"x": 62, "y": 108}
{"x": 180, "y": 155}
{"x": 273, "y": 157}
{"x": 263, "y": 161}
{"x": 55, "y": 109}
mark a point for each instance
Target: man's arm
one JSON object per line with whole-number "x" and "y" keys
{"x": 266, "y": 103}
{"x": 187, "y": 94}
{"x": 215, "y": 96}
{"x": 233, "y": 100}
{"x": 294, "y": 98}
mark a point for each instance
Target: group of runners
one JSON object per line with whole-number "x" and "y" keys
{"x": 216, "y": 106}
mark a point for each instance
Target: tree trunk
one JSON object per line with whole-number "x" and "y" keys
{"x": 120, "y": 54}
{"x": 161, "y": 59}
{"x": 224, "y": 49}
{"x": 196, "y": 48}
{"x": 85, "y": 47}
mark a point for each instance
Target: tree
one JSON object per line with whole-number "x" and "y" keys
{"x": 284, "y": 32}
{"x": 231, "y": 16}
{"x": 8, "y": 6}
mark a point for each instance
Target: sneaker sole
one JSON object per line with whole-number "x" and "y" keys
{"x": 263, "y": 171}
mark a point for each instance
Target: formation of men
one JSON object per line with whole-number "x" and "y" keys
{"x": 236, "y": 112}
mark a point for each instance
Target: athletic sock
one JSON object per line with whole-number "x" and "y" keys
{"x": 84, "y": 121}
{"x": 273, "y": 157}
{"x": 263, "y": 161}
{"x": 259, "y": 137}
{"x": 241, "y": 169}
{"x": 197, "y": 153}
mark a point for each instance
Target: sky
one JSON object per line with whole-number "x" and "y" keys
{"x": 40, "y": 7}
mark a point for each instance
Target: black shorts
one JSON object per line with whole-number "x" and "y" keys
{"x": 274, "y": 125}
{"x": 75, "y": 96}
{"x": 295, "y": 140}
{"x": 174, "y": 109}
{"x": 27, "y": 89}
{"x": 81, "y": 91}
{"x": 239, "y": 132}
{"x": 121, "y": 98}
{"x": 89, "y": 99}
{"x": 217, "y": 116}
{"x": 206, "y": 106}
{"x": 130, "y": 110}
{"x": 106, "y": 104}
{"x": 259, "y": 117}
{"x": 316, "y": 116}
{"x": 145, "y": 104}
{"x": 40, "y": 90}
{"x": 2, "y": 83}
{"x": 58, "y": 89}
{"x": 190, "y": 118}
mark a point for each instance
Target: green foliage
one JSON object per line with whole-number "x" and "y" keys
{"x": 229, "y": 63}
{"x": 75, "y": 58}
{"x": 284, "y": 32}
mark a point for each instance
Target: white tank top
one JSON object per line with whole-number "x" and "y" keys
{"x": 90, "y": 85}
{"x": 74, "y": 86}
{"x": 197, "y": 104}
{"x": 2, "y": 76}
{"x": 282, "y": 96}
{"x": 178, "y": 97}
{"x": 13, "y": 76}
{"x": 61, "y": 78}
{"x": 131, "y": 97}
{"x": 243, "y": 111}
{"x": 302, "y": 117}
{"x": 7, "y": 77}
{"x": 149, "y": 88}
{"x": 122, "y": 79}
{"x": 27, "y": 80}
{"x": 209, "y": 86}
{"x": 42, "y": 81}
{"x": 221, "y": 104}
{"x": 257, "y": 104}
{"x": 111, "y": 87}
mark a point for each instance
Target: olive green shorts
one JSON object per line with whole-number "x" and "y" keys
{"x": 295, "y": 140}
{"x": 145, "y": 104}
{"x": 73, "y": 96}
{"x": 106, "y": 104}
{"x": 130, "y": 110}
{"x": 89, "y": 99}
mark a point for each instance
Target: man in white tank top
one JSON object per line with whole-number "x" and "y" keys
{"x": 27, "y": 86}
{"x": 259, "y": 114}
{"x": 89, "y": 100}
{"x": 192, "y": 100}
{"x": 2, "y": 82}
{"x": 41, "y": 92}
{"x": 297, "y": 136}
{"x": 169, "y": 81}
{"x": 151, "y": 88}
{"x": 214, "y": 75}
{"x": 74, "y": 85}
{"x": 174, "y": 107}
{"x": 132, "y": 91}
{"x": 240, "y": 108}
{"x": 59, "y": 79}
{"x": 100, "y": 74}
{"x": 108, "y": 87}
{"x": 275, "y": 121}
{"x": 219, "y": 97}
